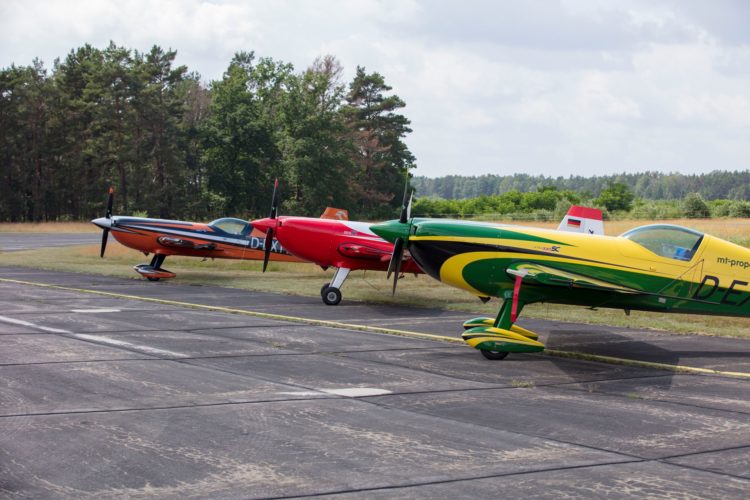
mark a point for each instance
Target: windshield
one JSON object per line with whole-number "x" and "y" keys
{"x": 673, "y": 242}
{"x": 229, "y": 225}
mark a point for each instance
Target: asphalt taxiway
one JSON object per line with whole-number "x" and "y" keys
{"x": 10, "y": 242}
{"x": 121, "y": 387}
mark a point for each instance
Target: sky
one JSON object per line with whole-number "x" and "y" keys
{"x": 553, "y": 87}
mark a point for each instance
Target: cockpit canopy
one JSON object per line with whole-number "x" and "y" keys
{"x": 666, "y": 240}
{"x": 229, "y": 225}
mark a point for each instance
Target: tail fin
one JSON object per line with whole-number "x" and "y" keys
{"x": 582, "y": 220}
{"x": 335, "y": 213}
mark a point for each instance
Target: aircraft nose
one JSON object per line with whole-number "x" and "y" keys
{"x": 391, "y": 230}
{"x": 102, "y": 222}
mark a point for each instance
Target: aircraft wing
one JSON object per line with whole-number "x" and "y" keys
{"x": 539, "y": 274}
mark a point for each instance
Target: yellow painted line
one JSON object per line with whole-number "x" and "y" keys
{"x": 279, "y": 317}
{"x": 387, "y": 331}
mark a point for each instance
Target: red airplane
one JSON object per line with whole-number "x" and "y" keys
{"x": 348, "y": 245}
{"x": 342, "y": 244}
{"x": 225, "y": 238}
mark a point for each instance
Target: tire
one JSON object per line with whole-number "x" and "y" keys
{"x": 494, "y": 355}
{"x": 151, "y": 278}
{"x": 331, "y": 296}
{"x": 323, "y": 289}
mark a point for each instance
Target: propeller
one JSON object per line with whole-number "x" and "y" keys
{"x": 394, "y": 266}
{"x": 108, "y": 215}
{"x": 268, "y": 243}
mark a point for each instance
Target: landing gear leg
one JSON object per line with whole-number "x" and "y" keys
{"x": 503, "y": 336}
{"x": 331, "y": 293}
{"x": 503, "y": 319}
{"x": 156, "y": 263}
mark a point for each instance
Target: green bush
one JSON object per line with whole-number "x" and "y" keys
{"x": 719, "y": 208}
{"x": 617, "y": 196}
{"x": 694, "y": 207}
{"x": 739, "y": 208}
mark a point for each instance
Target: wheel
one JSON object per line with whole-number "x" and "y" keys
{"x": 151, "y": 278}
{"x": 331, "y": 296}
{"x": 494, "y": 355}
{"x": 323, "y": 289}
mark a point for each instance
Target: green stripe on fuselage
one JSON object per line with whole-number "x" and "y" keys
{"x": 466, "y": 229}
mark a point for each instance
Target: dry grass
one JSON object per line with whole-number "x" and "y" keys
{"x": 736, "y": 230}
{"x": 306, "y": 280}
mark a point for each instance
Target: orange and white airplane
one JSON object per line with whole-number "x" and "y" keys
{"x": 226, "y": 238}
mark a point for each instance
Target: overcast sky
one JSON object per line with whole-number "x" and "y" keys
{"x": 552, "y": 87}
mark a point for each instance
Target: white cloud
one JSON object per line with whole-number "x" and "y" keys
{"x": 554, "y": 87}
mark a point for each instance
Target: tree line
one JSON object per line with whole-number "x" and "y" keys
{"x": 648, "y": 185}
{"x": 548, "y": 203}
{"x": 175, "y": 147}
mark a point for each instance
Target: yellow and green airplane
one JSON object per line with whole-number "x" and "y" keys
{"x": 658, "y": 267}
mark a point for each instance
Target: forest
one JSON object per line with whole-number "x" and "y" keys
{"x": 173, "y": 146}
{"x": 649, "y": 195}
{"x": 647, "y": 185}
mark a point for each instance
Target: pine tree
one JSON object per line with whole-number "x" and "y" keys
{"x": 380, "y": 156}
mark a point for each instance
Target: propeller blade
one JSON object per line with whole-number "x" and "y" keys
{"x": 108, "y": 215}
{"x": 275, "y": 200}
{"x": 394, "y": 266}
{"x": 105, "y": 234}
{"x": 397, "y": 272}
{"x": 404, "y": 214}
{"x": 267, "y": 247}
{"x": 110, "y": 201}
{"x": 398, "y": 249}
